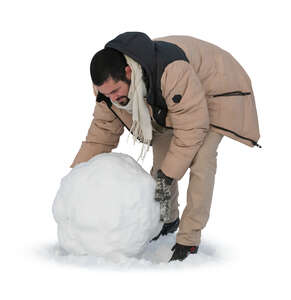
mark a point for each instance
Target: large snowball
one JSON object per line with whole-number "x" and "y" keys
{"x": 106, "y": 207}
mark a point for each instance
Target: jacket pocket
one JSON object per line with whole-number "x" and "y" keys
{"x": 235, "y": 112}
{"x": 228, "y": 110}
{"x": 229, "y": 94}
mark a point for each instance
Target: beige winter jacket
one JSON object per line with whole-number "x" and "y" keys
{"x": 217, "y": 95}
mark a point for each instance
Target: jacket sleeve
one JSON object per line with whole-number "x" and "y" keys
{"x": 103, "y": 134}
{"x": 187, "y": 115}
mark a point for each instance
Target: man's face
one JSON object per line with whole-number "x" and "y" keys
{"x": 116, "y": 91}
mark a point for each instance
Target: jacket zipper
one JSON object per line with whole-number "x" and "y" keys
{"x": 242, "y": 137}
{"x": 109, "y": 105}
{"x": 234, "y": 93}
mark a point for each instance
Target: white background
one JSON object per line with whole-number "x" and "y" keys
{"x": 46, "y": 108}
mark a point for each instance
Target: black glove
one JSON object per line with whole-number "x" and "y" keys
{"x": 163, "y": 195}
{"x": 181, "y": 251}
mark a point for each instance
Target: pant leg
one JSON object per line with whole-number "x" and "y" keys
{"x": 160, "y": 145}
{"x": 200, "y": 191}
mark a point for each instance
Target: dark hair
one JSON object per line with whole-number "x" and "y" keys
{"x": 107, "y": 63}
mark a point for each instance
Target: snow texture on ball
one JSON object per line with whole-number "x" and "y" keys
{"x": 106, "y": 207}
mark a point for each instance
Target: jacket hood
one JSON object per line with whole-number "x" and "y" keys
{"x": 140, "y": 48}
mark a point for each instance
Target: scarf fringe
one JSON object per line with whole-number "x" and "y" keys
{"x": 141, "y": 127}
{"x": 136, "y": 131}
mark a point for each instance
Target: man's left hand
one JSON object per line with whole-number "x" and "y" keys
{"x": 163, "y": 195}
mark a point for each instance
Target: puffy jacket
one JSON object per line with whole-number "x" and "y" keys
{"x": 193, "y": 86}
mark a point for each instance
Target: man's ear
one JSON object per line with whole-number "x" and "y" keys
{"x": 128, "y": 72}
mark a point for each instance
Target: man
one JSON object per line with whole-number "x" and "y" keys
{"x": 180, "y": 95}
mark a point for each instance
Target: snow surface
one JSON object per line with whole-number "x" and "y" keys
{"x": 106, "y": 207}
{"x": 155, "y": 256}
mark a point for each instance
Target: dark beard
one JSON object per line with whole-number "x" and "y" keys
{"x": 124, "y": 102}
{"x": 125, "y": 99}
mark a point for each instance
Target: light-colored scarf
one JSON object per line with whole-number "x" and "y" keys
{"x": 141, "y": 126}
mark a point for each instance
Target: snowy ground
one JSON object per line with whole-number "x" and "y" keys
{"x": 46, "y": 107}
{"x": 155, "y": 257}
{"x": 245, "y": 251}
